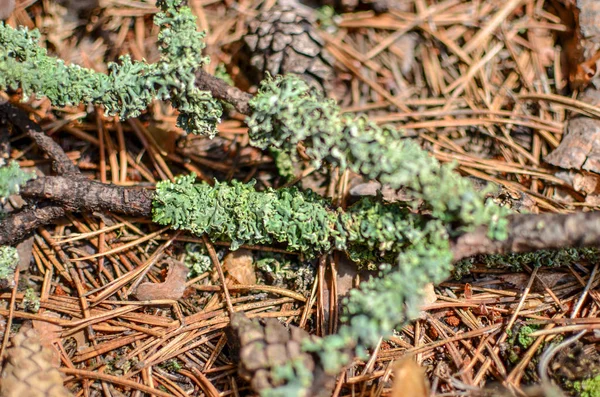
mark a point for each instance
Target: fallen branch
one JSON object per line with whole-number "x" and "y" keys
{"x": 17, "y": 226}
{"x": 527, "y": 232}
{"x": 87, "y": 195}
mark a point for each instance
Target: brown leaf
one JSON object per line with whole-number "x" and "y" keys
{"x": 172, "y": 288}
{"x": 409, "y": 379}
{"x": 238, "y": 265}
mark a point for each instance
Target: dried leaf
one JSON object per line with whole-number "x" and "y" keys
{"x": 409, "y": 379}
{"x": 238, "y": 265}
{"x": 172, "y": 288}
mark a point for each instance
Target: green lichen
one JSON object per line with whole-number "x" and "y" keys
{"x": 9, "y": 258}
{"x": 11, "y": 178}
{"x": 517, "y": 261}
{"x": 197, "y": 259}
{"x": 546, "y": 258}
{"x": 297, "y": 377}
{"x": 287, "y": 111}
{"x": 284, "y": 163}
{"x": 129, "y": 86}
{"x": 285, "y": 271}
{"x": 31, "y": 301}
{"x": 370, "y": 231}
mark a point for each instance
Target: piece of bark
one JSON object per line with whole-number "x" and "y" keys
{"x": 580, "y": 147}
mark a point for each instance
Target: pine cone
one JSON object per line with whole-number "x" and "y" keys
{"x": 266, "y": 345}
{"x": 281, "y": 41}
{"x": 29, "y": 371}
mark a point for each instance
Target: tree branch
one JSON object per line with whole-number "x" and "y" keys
{"x": 223, "y": 91}
{"x": 17, "y": 226}
{"x": 529, "y": 232}
{"x": 86, "y": 195}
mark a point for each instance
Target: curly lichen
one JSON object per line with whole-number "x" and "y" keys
{"x": 370, "y": 231}
{"x": 517, "y": 261}
{"x": 129, "y": 86}
{"x": 11, "y": 178}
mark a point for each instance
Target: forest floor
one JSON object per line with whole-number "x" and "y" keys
{"x": 506, "y": 89}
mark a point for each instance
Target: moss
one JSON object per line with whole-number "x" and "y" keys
{"x": 588, "y": 387}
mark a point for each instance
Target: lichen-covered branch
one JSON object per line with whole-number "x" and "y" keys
{"x": 129, "y": 86}
{"x": 369, "y": 231}
{"x": 223, "y": 91}
{"x": 287, "y": 111}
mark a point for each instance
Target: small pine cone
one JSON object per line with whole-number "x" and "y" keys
{"x": 265, "y": 345}
{"x": 281, "y": 41}
{"x": 29, "y": 370}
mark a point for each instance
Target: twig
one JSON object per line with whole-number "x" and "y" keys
{"x": 61, "y": 164}
{"x": 79, "y": 194}
{"x": 221, "y": 90}
{"x": 215, "y": 260}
